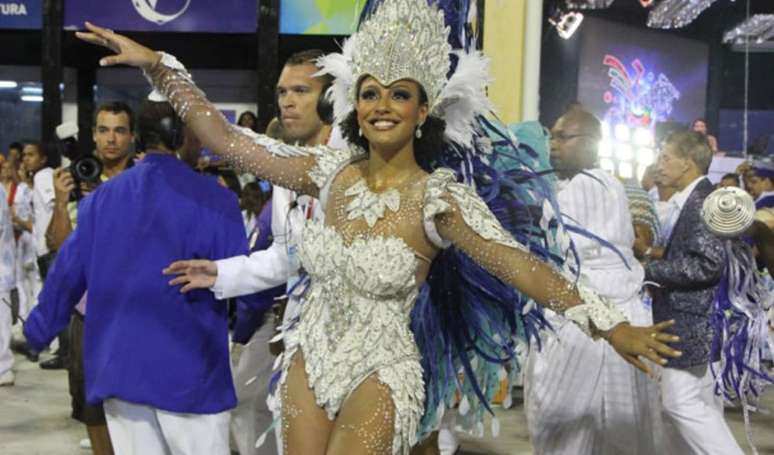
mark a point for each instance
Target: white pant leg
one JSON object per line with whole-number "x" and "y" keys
{"x": 29, "y": 285}
{"x": 6, "y": 356}
{"x": 251, "y": 378}
{"x": 134, "y": 429}
{"x": 195, "y": 434}
{"x": 448, "y": 443}
{"x": 563, "y": 386}
{"x": 632, "y": 422}
{"x": 694, "y": 415}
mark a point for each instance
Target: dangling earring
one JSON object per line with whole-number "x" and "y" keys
{"x": 360, "y": 132}
{"x": 418, "y": 132}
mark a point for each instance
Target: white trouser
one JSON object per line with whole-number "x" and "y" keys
{"x": 251, "y": 378}
{"x": 693, "y": 414}
{"x": 28, "y": 283}
{"x": 143, "y": 430}
{"x": 582, "y": 398}
{"x": 6, "y": 356}
{"x": 448, "y": 443}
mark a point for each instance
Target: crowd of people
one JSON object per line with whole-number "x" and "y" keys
{"x": 356, "y": 277}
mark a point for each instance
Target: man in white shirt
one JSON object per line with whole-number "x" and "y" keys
{"x": 7, "y": 284}
{"x": 581, "y": 397}
{"x": 37, "y": 162}
{"x": 305, "y": 120}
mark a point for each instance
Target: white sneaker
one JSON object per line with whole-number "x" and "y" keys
{"x": 7, "y": 379}
{"x": 85, "y": 444}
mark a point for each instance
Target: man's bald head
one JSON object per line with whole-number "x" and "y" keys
{"x": 574, "y": 142}
{"x": 585, "y": 121}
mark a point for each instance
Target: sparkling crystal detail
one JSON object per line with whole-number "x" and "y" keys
{"x": 370, "y": 205}
{"x": 589, "y": 4}
{"x": 676, "y": 13}
{"x": 757, "y": 29}
{"x": 404, "y": 39}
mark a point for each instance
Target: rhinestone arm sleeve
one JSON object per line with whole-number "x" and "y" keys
{"x": 462, "y": 219}
{"x": 284, "y": 165}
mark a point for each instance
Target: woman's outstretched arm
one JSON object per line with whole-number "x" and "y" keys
{"x": 284, "y": 165}
{"x": 466, "y": 222}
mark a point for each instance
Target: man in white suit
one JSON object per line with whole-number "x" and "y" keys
{"x": 581, "y": 397}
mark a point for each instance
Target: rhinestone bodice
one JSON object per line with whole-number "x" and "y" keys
{"x": 355, "y": 317}
{"x": 379, "y": 268}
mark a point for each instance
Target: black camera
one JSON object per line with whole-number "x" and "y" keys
{"x": 84, "y": 167}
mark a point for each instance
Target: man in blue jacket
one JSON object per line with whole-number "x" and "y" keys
{"x": 157, "y": 358}
{"x": 687, "y": 274}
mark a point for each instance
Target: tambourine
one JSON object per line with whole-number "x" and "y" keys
{"x": 728, "y": 212}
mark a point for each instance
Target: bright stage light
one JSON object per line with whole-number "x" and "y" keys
{"x": 607, "y": 164}
{"x": 589, "y": 4}
{"x": 623, "y": 133}
{"x": 625, "y": 169}
{"x": 32, "y": 90}
{"x": 8, "y": 84}
{"x": 643, "y": 136}
{"x": 640, "y": 172}
{"x": 605, "y": 148}
{"x": 605, "y": 129}
{"x": 676, "y": 13}
{"x": 32, "y": 98}
{"x": 646, "y": 156}
{"x": 756, "y": 29}
{"x": 566, "y": 23}
{"x": 624, "y": 152}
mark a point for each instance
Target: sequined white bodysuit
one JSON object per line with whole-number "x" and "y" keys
{"x": 366, "y": 269}
{"x": 355, "y": 323}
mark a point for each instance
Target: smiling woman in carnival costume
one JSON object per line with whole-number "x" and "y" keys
{"x": 412, "y": 278}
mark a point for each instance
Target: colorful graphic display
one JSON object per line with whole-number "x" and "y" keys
{"x": 633, "y": 79}
{"x": 319, "y": 17}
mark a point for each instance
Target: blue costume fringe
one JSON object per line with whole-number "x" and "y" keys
{"x": 741, "y": 332}
{"x": 465, "y": 320}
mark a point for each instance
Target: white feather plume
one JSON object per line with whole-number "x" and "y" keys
{"x": 464, "y": 97}
{"x": 339, "y": 65}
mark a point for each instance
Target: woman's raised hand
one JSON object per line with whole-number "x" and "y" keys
{"x": 128, "y": 52}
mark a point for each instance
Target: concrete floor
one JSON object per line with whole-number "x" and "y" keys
{"x": 34, "y": 419}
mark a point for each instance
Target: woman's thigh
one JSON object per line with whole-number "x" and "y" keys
{"x": 305, "y": 426}
{"x": 365, "y": 425}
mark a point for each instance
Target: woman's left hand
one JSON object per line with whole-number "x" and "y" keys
{"x": 128, "y": 52}
{"x": 635, "y": 343}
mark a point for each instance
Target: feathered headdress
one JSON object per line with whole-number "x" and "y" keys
{"x": 409, "y": 39}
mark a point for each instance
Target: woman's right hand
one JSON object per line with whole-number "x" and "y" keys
{"x": 128, "y": 52}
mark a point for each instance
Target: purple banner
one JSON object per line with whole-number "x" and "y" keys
{"x": 21, "y": 14}
{"x": 205, "y": 16}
